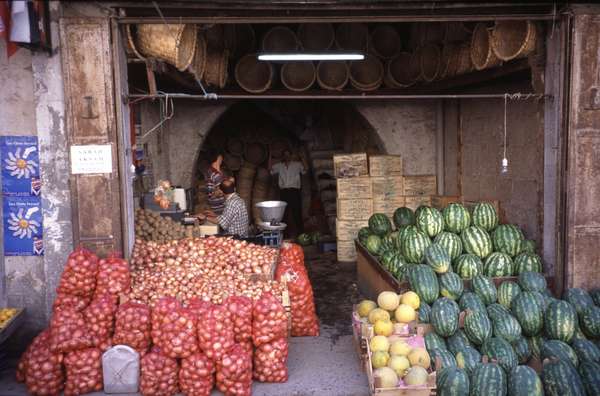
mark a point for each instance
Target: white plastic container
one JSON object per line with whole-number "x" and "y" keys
{"x": 121, "y": 370}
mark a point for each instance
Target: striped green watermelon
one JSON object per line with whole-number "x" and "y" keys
{"x": 507, "y": 239}
{"x": 528, "y": 246}
{"x": 559, "y": 350}
{"x": 437, "y": 258}
{"x": 403, "y": 232}
{"x": 540, "y": 300}
{"x": 468, "y": 265}
{"x": 468, "y": 358}
{"x": 434, "y": 341}
{"x": 560, "y": 378}
{"x": 414, "y": 245}
{"x": 398, "y": 239}
{"x": 488, "y": 379}
{"x": 423, "y": 281}
{"x": 485, "y": 288}
{"x": 586, "y": 350}
{"x": 380, "y": 224}
{"x": 532, "y": 281}
{"x": 498, "y": 264}
{"x": 485, "y": 216}
{"x": 363, "y": 234}
{"x": 450, "y": 242}
{"x": 579, "y": 298}
{"x": 521, "y": 347}
{"x": 444, "y": 316}
{"x": 595, "y": 294}
{"x": 524, "y": 381}
{"x": 527, "y": 261}
{"x": 430, "y": 221}
{"x": 420, "y": 209}
{"x": 535, "y": 345}
{"x": 579, "y": 335}
{"x": 457, "y": 341}
{"x": 424, "y": 312}
{"x": 476, "y": 241}
{"x": 560, "y": 321}
{"x": 507, "y": 328}
{"x": 451, "y": 285}
{"x": 589, "y": 372}
{"x": 446, "y": 358}
{"x": 386, "y": 258}
{"x": 500, "y": 350}
{"x": 398, "y": 266}
{"x": 525, "y": 308}
{"x": 388, "y": 242}
{"x": 477, "y": 327}
{"x": 471, "y": 301}
{"x": 506, "y": 292}
{"x": 456, "y": 218}
{"x": 590, "y": 321}
{"x": 373, "y": 244}
{"x": 403, "y": 217}
{"x": 452, "y": 381}
{"x": 496, "y": 311}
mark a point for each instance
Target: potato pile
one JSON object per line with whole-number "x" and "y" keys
{"x": 151, "y": 226}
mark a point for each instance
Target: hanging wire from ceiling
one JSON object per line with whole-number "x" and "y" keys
{"x": 167, "y": 111}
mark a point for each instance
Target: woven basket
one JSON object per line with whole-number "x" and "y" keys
{"x": 198, "y": 65}
{"x": 397, "y": 72}
{"x": 232, "y": 162}
{"x": 298, "y": 76}
{"x": 253, "y": 75}
{"x": 366, "y": 75}
{"x": 255, "y": 153}
{"x": 482, "y": 55}
{"x": 385, "y": 41}
{"x": 464, "y": 63}
{"x": 513, "y": 39}
{"x": 235, "y": 146}
{"x": 280, "y": 39}
{"x": 174, "y": 43}
{"x": 131, "y": 47}
{"x": 454, "y": 31}
{"x": 316, "y": 36}
{"x": 215, "y": 73}
{"x": 352, "y": 36}
{"x": 449, "y": 60}
{"x": 215, "y": 37}
{"x": 332, "y": 76}
{"x": 414, "y": 66}
{"x": 430, "y": 61}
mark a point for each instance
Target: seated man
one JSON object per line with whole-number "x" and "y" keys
{"x": 234, "y": 219}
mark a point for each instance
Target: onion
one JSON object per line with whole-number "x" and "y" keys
{"x": 270, "y": 361}
{"x": 100, "y": 318}
{"x": 132, "y": 326}
{"x": 84, "y": 371}
{"x": 196, "y": 375}
{"x": 176, "y": 333}
{"x": 269, "y": 320}
{"x": 69, "y": 300}
{"x": 215, "y": 331}
{"x": 113, "y": 276}
{"x": 234, "y": 372}
{"x": 68, "y": 331}
{"x": 158, "y": 375}
{"x": 79, "y": 276}
{"x": 40, "y": 368}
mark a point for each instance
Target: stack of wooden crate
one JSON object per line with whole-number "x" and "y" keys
{"x": 419, "y": 190}
{"x": 387, "y": 183}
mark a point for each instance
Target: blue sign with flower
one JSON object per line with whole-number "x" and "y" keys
{"x": 22, "y": 226}
{"x": 20, "y": 165}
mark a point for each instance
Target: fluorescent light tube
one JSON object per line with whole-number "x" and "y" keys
{"x": 274, "y": 57}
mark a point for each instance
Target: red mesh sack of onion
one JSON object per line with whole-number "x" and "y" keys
{"x": 158, "y": 375}
{"x": 84, "y": 371}
{"x": 132, "y": 326}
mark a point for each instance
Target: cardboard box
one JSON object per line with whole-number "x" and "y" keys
{"x": 354, "y": 209}
{"x": 387, "y": 187}
{"x": 385, "y": 165}
{"x": 347, "y": 230}
{"x": 420, "y": 185}
{"x": 355, "y": 187}
{"x": 346, "y": 251}
{"x": 388, "y": 206}
{"x": 350, "y": 165}
{"x": 413, "y": 202}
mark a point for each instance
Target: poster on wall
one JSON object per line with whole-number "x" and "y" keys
{"x": 20, "y": 166}
{"x": 22, "y": 226}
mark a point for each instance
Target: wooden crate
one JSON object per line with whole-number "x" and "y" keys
{"x": 385, "y": 165}
{"x": 354, "y": 209}
{"x": 441, "y": 201}
{"x": 372, "y": 277}
{"x": 387, "y": 187}
{"x": 347, "y": 230}
{"x": 420, "y": 185}
{"x": 413, "y": 202}
{"x": 355, "y": 187}
{"x": 346, "y": 251}
{"x": 388, "y": 206}
{"x": 350, "y": 165}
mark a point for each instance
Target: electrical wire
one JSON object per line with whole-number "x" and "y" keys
{"x": 167, "y": 111}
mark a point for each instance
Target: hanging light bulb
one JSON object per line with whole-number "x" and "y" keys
{"x": 504, "y": 163}
{"x": 504, "y": 167}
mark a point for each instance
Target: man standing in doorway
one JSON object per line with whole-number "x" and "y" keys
{"x": 290, "y": 181}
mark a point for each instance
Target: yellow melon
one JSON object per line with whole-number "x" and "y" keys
{"x": 405, "y": 313}
{"x": 383, "y": 327}
{"x": 416, "y": 376}
{"x": 378, "y": 314}
{"x": 364, "y": 307}
{"x": 419, "y": 357}
{"x": 380, "y": 359}
{"x": 399, "y": 364}
{"x": 411, "y": 298}
{"x": 388, "y": 300}
{"x": 379, "y": 343}
{"x": 400, "y": 348}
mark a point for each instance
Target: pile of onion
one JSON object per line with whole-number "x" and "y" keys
{"x": 84, "y": 371}
{"x": 240, "y": 309}
{"x": 41, "y": 369}
{"x": 161, "y": 309}
{"x": 234, "y": 372}
{"x": 215, "y": 332}
{"x": 176, "y": 334}
{"x": 113, "y": 276}
{"x": 158, "y": 375}
{"x": 79, "y": 276}
{"x": 270, "y": 361}
{"x": 68, "y": 331}
{"x": 79, "y": 303}
{"x": 269, "y": 320}
{"x": 100, "y": 320}
{"x": 132, "y": 326}
{"x": 196, "y": 375}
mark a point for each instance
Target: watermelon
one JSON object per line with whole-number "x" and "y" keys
{"x": 595, "y": 294}
{"x": 560, "y": 378}
{"x": 437, "y": 258}
{"x": 589, "y": 372}
{"x": 373, "y": 244}
{"x": 590, "y": 321}
{"x": 363, "y": 234}
{"x": 450, "y": 242}
{"x": 424, "y": 312}
{"x": 498, "y": 264}
{"x": 488, "y": 379}
{"x": 485, "y": 216}
{"x": 386, "y": 259}
{"x": 434, "y": 341}
{"x": 485, "y": 288}
{"x": 380, "y": 224}
{"x": 471, "y": 301}
{"x": 468, "y": 358}
{"x": 540, "y": 300}
{"x": 500, "y": 350}
{"x": 525, "y": 308}
{"x": 532, "y": 281}
{"x": 457, "y": 341}
{"x": 404, "y": 231}
{"x": 477, "y": 327}
{"x": 507, "y": 239}
{"x": 430, "y": 221}
{"x": 398, "y": 239}
{"x": 507, "y": 328}
{"x": 476, "y": 241}
{"x": 456, "y": 218}
{"x": 423, "y": 281}
{"x": 579, "y": 335}
{"x": 521, "y": 347}
{"x": 388, "y": 242}
{"x": 524, "y": 381}
{"x": 397, "y": 265}
{"x": 444, "y": 316}
{"x": 496, "y": 311}
{"x": 451, "y": 285}
{"x": 586, "y": 350}
{"x": 535, "y": 345}
{"x": 560, "y": 321}
{"x": 414, "y": 245}
{"x": 468, "y": 265}
{"x": 528, "y": 246}
{"x": 403, "y": 217}
{"x": 527, "y": 261}
{"x": 506, "y": 292}
{"x": 579, "y": 298}
{"x": 446, "y": 358}
{"x": 559, "y": 350}
{"x": 452, "y": 381}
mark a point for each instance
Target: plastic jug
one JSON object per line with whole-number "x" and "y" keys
{"x": 121, "y": 369}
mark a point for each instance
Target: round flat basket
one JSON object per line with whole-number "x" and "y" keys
{"x": 464, "y": 63}
{"x": 298, "y": 76}
{"x": 366, "y": 75}
{"x": 449, "y": 60}
{"x": 398, "y": 73}
{"x": 280, "y": 38}
{"x": 215, "y": 73}
{"x": 513, "y": 39}
{"x": 198, "y": 65}
{"x": 385, "y": 41}
{"x": 316, "y": 36}
{"x": 172, "y": 43}
{"x": 482, "y": 55}
{"x": 253, "y": 75}
{"x": 215, "y": 37}
{"x": 352, "y": 36}
{"x": 430, "y": 61}
{"x": 332, "y": 76}
{"x": 414, "y": 66}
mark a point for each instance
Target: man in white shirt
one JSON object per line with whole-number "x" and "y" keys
{"x": 289, "y": 173}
